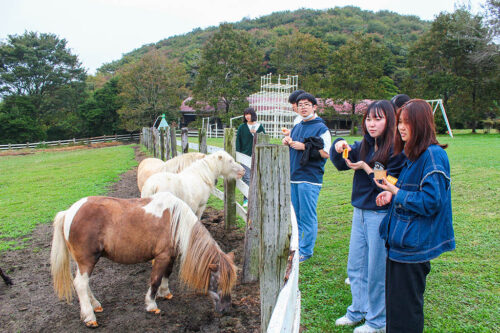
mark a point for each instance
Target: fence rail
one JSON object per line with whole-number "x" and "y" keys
{"x": 276, "y": 262}
{"x": 104, "y": 138}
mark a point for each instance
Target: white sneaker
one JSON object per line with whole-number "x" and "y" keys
{"x": 344, "y": 321}
{"x": 347, "y": 281}
{"x": 368, "y": 329}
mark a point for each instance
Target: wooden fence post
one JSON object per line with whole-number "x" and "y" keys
{"x": 173, "y": 141}
{"x": 229, "y": 185}
{"x": 202, "y": 140}
{"x": 167, "y": 144}
{"x": 162, "y": 144}
{"x": 250, "y": 272}
{"x": 273, "y": 184}
{"x": 184, "y": 140}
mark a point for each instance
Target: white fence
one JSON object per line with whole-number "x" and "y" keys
{"x": 105, "y": 138}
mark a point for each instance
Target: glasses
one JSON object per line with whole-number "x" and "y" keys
{"x": 304, "y": 105}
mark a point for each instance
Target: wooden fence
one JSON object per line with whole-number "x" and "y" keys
{"x": 271, "y": 235}
{"x": 104, "y": 138}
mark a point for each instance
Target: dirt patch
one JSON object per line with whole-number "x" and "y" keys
{"x": 30, "y": 305}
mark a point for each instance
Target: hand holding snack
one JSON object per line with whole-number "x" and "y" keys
{"x": 341, "y": 145}
{"x": 286, "y": 131}
{"x": 287, "y": 140}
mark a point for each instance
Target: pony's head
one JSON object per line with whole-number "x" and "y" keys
{"x": 222, "y": 279}
{"x": 227, "y": 165}
{"x": 205, "y": 267}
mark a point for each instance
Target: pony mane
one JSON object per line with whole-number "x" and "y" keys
{"x": 196, "y": 260}
{"x": 181, "y": 162}
{"x": 206, "y": 168}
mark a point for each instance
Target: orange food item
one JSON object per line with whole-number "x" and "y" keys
{"x": 345, "y": 154}
{"x": 284, "y": 130}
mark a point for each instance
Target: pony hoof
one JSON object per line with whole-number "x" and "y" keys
{"x": 98, "y": 309}
{"x": 155, "y": 311}
{"x": 91, "y": 324}
{"x": 169, "y": 296}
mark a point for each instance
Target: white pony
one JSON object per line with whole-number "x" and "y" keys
{"x": 194, "y": 184}
{"x": 150, "y": 166}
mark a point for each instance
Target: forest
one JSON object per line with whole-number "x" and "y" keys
{"x": 344, "y": 53}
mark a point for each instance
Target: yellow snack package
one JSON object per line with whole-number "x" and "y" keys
{"x": 392, "y": 180}
{"x": 345, "y": 154}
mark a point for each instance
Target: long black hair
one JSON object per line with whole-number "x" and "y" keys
{"x": 380, "y": 109}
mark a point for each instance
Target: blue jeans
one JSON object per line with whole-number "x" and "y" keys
{"x": 246, "y": 176}
{"x": 366, "y": 268}
{"x": 304, "y": 201}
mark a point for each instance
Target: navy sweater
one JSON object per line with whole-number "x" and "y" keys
{"x": 364, "y": 189}
{"x": 313, "y": 171}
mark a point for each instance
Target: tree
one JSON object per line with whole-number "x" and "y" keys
{"x": 149, "y": 87}
{"x": 229, "y": 69}
{"x": 303, "y": 55}
{"x": 16, "y": 124}
{"x": 456, "y": 61}
{"x": 357, "y": 72}
{"x": 99, "y": 112}
{"x": 42, "y": 67}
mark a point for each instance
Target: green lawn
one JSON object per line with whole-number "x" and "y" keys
{"x": 33, "y": 188}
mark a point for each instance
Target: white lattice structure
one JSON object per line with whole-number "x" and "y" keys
{"x": 271, "y": 103}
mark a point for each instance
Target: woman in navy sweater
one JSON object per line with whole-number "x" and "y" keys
{"x": 367, "y": 253}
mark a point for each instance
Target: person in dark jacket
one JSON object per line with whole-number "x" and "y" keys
{"x": 419, "y": 226}
{"x": 244, "y": 140}
{"x": 306, "y": 178}
{"x": 367, "y": 253}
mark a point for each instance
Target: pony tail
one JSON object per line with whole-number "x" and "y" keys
{"x": 59, "y": 261}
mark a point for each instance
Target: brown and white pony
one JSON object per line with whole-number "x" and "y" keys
{"x": 149, "y": 166}
{"x": 195, "y": 183}
{"x": 131, "y": 231}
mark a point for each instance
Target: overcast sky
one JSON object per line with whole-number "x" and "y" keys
{"x": 100, "y": 31}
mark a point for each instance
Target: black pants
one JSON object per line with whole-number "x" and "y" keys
{"x": 404, "y": 296}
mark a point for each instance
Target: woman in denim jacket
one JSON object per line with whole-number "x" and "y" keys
{"x": 418, "y": 227}
{"x": 367, "y": 253}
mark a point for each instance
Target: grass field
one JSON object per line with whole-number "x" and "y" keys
{"x": 33, "y": 188}
{"x": 463, "y": 288}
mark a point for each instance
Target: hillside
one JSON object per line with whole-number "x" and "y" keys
{"x": 333, "y": 26}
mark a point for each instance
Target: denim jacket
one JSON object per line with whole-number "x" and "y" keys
{"x": 419, "y": 226}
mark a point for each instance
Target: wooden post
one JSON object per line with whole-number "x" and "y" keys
{"x": 162, "y": 144}
{"x": 202, "y": 140}
{"x": 184, "y": 140}
{"x": 173, "y": 141}
{"x": 273, "y": 201}
{"x": 230, "y": 185}
{"x": 250, "y": 272}
{"x": 167, "y": 145}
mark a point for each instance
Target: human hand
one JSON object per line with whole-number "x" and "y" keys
{"x": 341, "y": 145}
{"x": 286, "y": 131}
{"x": 355, "y": 165}
{"x": 297, "y": 145}
{"x": 286, "y": 140}
{"x": 383, "y": 198}
{"x": 385, "y": 185}
{"x": 253, "y": 131}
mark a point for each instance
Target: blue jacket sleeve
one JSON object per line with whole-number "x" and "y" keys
{"x": 429, "y": 199}
{"x": 395, "y": 165}
{"x": 261, "y": 129}
{"x": 337, "y": 159}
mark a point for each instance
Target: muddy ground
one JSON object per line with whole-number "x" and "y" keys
{"x": 30, "y": 305}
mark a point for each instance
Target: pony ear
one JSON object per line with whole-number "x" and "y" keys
{"x": 231, "y": 256}
{"x": 213, "y": 267}
{"x": 220, "y": 157}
